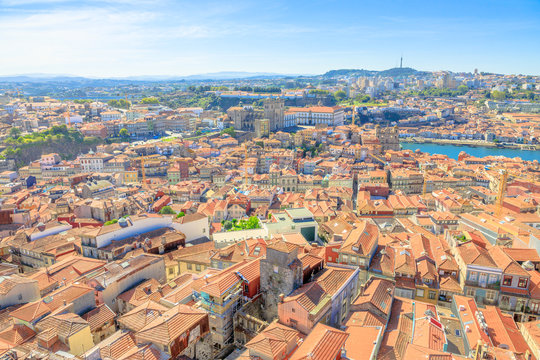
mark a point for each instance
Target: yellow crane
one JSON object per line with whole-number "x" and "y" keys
{"x": 501, "y": 192}
{"x": 245, "y": 165}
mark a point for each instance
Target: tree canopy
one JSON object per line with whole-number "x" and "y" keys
{"x": 340, "y": 95}
{"x": 149, "y": 100}
{"x": 167, "y": 210}
{"x": 230, "y": 131}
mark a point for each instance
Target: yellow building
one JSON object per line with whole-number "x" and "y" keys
{"x": 194, "y": 259}
{"x": 69, "y": 329}
{"x": 131, "y": 176}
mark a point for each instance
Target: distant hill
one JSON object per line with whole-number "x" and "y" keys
{"x": 394, "y": 72}
{"x": 224, "y": 75}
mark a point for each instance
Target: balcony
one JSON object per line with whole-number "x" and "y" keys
{"x": 492, "y": 286}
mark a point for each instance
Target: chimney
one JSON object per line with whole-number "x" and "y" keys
{"x": 281, "y": 297}
{"x": 64, "y": 302}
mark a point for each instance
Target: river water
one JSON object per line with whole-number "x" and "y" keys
{"x": 453, "y": 151}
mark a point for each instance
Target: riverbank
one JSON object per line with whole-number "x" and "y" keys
{"x": 453, "y": 150}
{"x": 471, "y": 143}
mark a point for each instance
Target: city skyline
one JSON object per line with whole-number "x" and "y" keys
{"x": 117, "y": 38}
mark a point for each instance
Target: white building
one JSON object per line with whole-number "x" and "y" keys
{"x": 194, "y": 226}
{"x": 315, "y": 115}
{"x": 110, "y": 115}
{"x": 93, "y": 162}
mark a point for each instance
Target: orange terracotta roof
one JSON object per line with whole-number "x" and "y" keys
{"x": 274, "y": 340}
{"x": 322, "y": 343}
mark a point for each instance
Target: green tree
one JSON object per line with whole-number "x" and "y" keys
{"x": 110, "y": 222}
{"x": 319, "y": 92}
{"x": 15, "y": 132}
{"x": 198, "y": 133}
{"x": 498, "y": 95}
{"x": 124, "y": 134}
{"x": 252, "y": 223}
{"x": 340, "y": 95}
{"x": 227, "y": 225}
{"x": 167, "y": 210}
{"x": 121, "y": 103}
{"x": 180, "y": 214}
{"x": 462, "y": 89}
{"x": 149, "y": 100}
{"x": 230, "y": 131}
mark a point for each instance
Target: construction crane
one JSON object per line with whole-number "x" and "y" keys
{"x": 501, "y": 192}
{"x": 424, "y": 188}
{"x": 245, "y": 165}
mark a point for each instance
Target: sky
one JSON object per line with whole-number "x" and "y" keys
{"x": 117, "y": 38}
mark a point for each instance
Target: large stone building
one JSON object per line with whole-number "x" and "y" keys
{"x": 388, "y": 137}
{"x": 281, "y": 274}
{"x": 243, "y": 117}
{"x": 274, "y": 110}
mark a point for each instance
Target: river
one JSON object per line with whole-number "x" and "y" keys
{"x": 453, "y": 151}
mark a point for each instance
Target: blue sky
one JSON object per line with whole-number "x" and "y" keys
{"x": 166, "y": 37}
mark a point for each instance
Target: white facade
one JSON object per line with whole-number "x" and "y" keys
{"x": 110, "y": 115}
{"x": 193, "y": 230}
{"x": 20, "y": 290}
{"x": 135, "y": 227}
{"x": 331, "y": 116}
{"x": 225, "y": 238}
{"x": 75, "y": 119}
{"x": 50, "y": 231}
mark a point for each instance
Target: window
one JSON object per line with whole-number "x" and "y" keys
{"x": 276, "y": 269}
{"x": 432, "y": 295}
{"x": 171, "y": 270}
{"x": 482, "y": 278}
{"x": 198, "y": 267}
{"x": 507, "y": 281}
{"x": 189, "y": 266}
{"x": 419, "y": 292}
{"x": 472, "y": 276}
{"x": 523, "y": 282}
{"x": 490, "y": 295}
{"x": 470, "y": 292}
